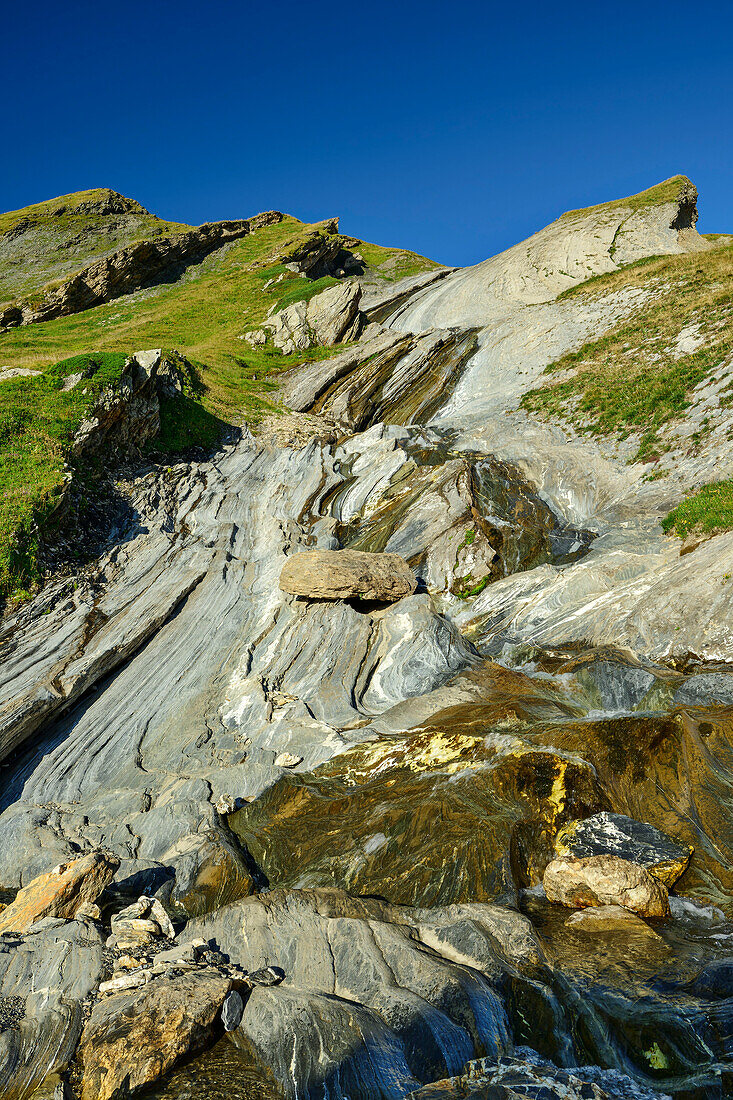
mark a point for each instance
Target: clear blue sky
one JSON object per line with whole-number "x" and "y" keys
{"x": 454, "y": 129}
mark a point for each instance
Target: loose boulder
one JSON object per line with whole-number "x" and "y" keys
{"x": 618, "y": 835}
{"x": 61, "y": 892}
{"x": 341, "y": 574}
{"x": 605, "y": 880}
{"x": 133, "y": 1038}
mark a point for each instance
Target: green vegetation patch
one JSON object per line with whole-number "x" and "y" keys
{"x": 667, "y": 191}
{"x": 393, "y": 264}
{"x": 37, "y": 422}
{"x": 633, "y": 379}
{"x": 709, "y": 509}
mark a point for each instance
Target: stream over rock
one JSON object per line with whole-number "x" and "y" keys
{"x": 347, "y": 805}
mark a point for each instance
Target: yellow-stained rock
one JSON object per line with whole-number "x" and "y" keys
{"x": 61, "y": 892}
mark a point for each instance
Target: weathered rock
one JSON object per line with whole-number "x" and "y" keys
{"x": 329, "y": 318}
{"x": 618, "y": 835}
{"x": 60, "y": 892}
{"x": 127, "y": 981}
{"x": 605, "y": 880}
{"x": 341, "y": 574}
{"x": 144, "y": 263}
{"x": 50, "y": 972}
{"x": 371, "y": 993}
{"x": 526, "y": 1074}
{"x": 132, "y": 1038}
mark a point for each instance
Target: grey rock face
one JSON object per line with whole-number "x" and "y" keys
{"x": 569, "y": 251}
{"x": 177, "y": 611}
{"x": 382, "y": 999}
{"x": 53, "y": 969}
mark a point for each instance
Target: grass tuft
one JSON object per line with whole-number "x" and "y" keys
{"x": 709, "y": 509}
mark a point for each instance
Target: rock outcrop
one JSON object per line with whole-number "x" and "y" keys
{"x": 61, "y": 892}
{"x": 331, "y": 317}
{"x": 605, "y": 880}
{"x": 344, "y": 574}
{"x": 383, "y": 998}
{"x": 145, "y": 263}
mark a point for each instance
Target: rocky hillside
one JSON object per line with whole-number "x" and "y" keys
{"x": 198, "y": 293}
{"x": 366, "y": 723}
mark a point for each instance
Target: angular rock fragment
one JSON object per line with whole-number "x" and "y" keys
{"x": 131, "y": 1039}
{"x": 341, "y": 574}
{"x": 328, "y": 318}
{"x": 618, "y": 835}
{"x": 605, "y": 880}
{"x": 61, "y": 892}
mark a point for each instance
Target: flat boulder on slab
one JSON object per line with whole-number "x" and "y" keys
{"x": 133, "y": 1038}
{"x": 618, "y": 835}
{"x": 610, "y": 918}
{"x": 61, "y": 892}
{"x": 605, "y": 880}
{"x": 341, "y": 574}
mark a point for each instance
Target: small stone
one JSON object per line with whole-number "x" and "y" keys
{"x": 127, "y": 962}
{"x": 90, "y": 910}
{"x": 267, "y": 975}
{"x": 232, "y": 1010}
{"x": 126, "y": 981}
{"x": 158, "y": 913}
{"x": 287, "y": 760}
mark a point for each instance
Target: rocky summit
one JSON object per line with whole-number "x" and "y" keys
{"x": 366, "y": 679}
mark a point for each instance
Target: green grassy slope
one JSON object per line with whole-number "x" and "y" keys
{"x": 633, "y": 379}
{"x": 636, "y": 382}
{"x": 51, "y": 240}
{"x": 667, "y": 191}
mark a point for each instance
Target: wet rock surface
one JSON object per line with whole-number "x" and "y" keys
{"x": 605, "y": 880}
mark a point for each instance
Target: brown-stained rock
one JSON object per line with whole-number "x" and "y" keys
{"x": 132, "y": 1038}
{"x": 340, "y": 574}
{"x": 61, "y": 892}
{"x": 605, "y": 880}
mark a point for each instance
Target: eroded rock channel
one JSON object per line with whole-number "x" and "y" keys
{"x": 453, "y": 822}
